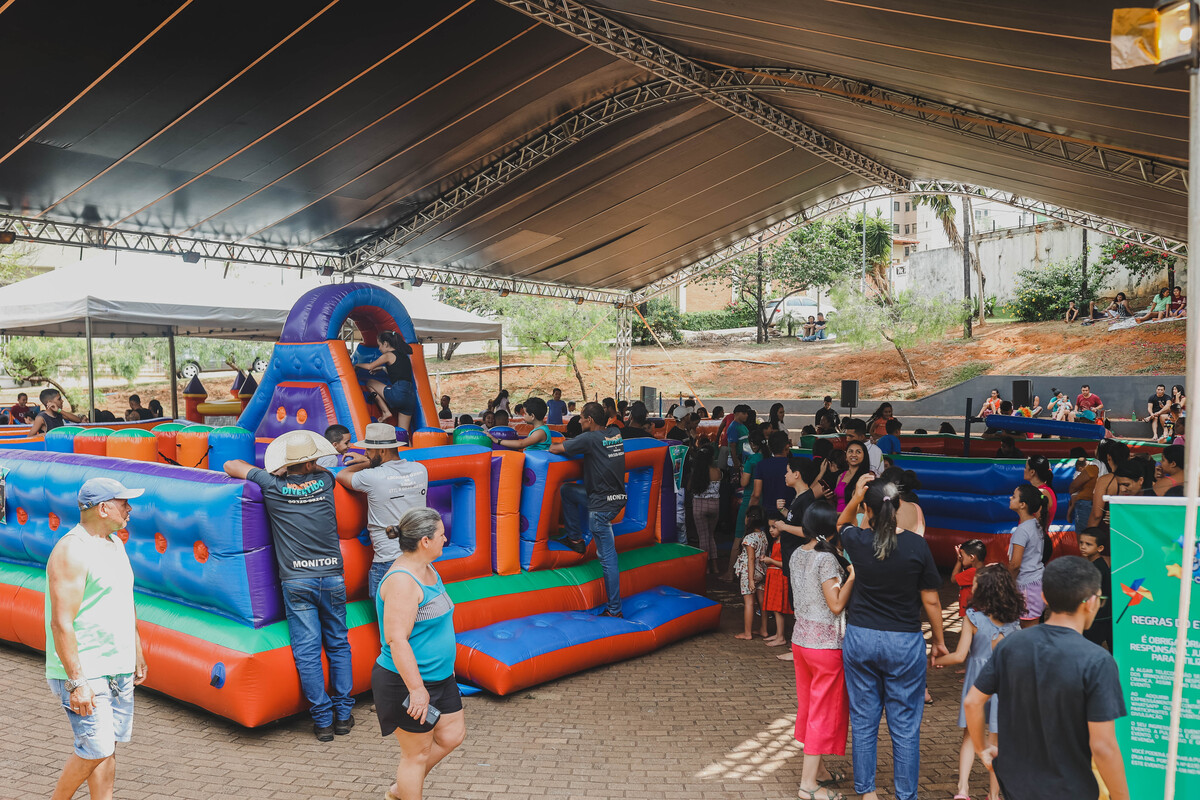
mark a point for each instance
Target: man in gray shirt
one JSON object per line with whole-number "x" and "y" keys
{"x": 392, "y": 486}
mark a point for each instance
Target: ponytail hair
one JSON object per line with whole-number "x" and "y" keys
{"x": 883, "y": 498}
{"x": 1040, "y": 466}
{"x": 820, "y": 523}
{"x": 1037, "y": 503}
{"x": 395, "y": 341}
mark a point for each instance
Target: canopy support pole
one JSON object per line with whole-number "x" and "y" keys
{"x": 1191, "y": 474}
{"x": 91, "y": 369}
{"x": 171, "y": 375}
{"x": 624, "y": 368}
{"x": 500, "y": 359}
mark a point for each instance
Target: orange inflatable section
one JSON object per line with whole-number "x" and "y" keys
{"x": 506, "y": 521}
{"x": 359, "y": 413}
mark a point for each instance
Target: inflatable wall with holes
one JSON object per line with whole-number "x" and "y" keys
{"x": 208, "y": 597}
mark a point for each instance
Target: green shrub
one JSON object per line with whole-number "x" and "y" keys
{"x": 663, "y": 317}
{"x": 740, "y": 315}
{"x": 1043, "y": 293}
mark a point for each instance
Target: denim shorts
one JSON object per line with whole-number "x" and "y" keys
{"x": 97, "y": 734}
{"x": 401, "y": 397}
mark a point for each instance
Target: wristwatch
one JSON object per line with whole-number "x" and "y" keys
{"x": 72, "y": 685}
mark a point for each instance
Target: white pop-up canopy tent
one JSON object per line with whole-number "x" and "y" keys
{"x": 146, "y": 295}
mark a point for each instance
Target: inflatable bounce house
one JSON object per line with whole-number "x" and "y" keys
{"x": 208, "y": 598}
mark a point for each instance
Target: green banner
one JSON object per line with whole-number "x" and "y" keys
{"x": 678, "y": 454}
{"x": 1147, "y": 558}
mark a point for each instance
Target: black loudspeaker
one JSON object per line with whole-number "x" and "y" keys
{"x": 649, "y": 397}
{"x": 1022, "y": 394}
{"x": 849, "y": 394}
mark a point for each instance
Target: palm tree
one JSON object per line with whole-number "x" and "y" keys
{"x": 878, "y": 248}
{"x": 945, "y": 212}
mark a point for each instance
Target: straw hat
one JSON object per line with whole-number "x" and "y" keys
{"x": 296, "y": 447}
{"x": 380, "y": 436}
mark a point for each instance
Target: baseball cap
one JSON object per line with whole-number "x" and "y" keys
{"x": 97, "y": 490}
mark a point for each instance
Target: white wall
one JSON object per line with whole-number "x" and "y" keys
{"x": 1002, "y": 254}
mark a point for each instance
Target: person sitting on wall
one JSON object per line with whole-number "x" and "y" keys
{"x": 1088, "y": 407}
{"x": 1005, "y": 410}
{"x": 52, "y": 416}
{"x": 399, "y": 394}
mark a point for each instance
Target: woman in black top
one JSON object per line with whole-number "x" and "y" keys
{"x": 884, "y": 650}
{"x": 399, "y": 394}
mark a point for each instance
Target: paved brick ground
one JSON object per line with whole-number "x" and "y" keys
{"x": 707, "y": 718}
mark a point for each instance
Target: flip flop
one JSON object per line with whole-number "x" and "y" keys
{"x": 811, "y": 794}
{"x": 834, "y": 779}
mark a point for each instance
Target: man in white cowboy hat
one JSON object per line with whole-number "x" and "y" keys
{"x": 93, "y": 653}
{"x": 298, "y": 495}
{"x": 392, "y": 486}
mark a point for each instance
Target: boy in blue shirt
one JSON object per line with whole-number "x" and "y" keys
{"x": 890, "y": 443}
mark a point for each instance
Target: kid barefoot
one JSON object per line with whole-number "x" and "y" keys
{"x": 788, "y": 656}
{"x": 743, "y": 636}
{"x": 774, "y": 641}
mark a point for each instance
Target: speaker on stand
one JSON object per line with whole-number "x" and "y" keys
{"x": 850, "y": 396}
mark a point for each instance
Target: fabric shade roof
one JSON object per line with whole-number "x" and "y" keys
{"x": 152, "y": 295}
{"x": 319, "y": 125}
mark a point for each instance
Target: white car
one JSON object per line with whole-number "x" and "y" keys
{"x": 798, "y": 308}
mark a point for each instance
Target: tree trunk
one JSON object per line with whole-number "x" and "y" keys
{"x": 912, "y": 378}
{"x": 448, "y": 350}
{"x": 973, "y": 257}
{"x": 67, "y": 397}
{"x": 578, "y": 375}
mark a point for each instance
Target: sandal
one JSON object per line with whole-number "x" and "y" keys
{"x": 811, "y": 794}
{"x": 387, "y": 795}
{"x": 834, "y": 779}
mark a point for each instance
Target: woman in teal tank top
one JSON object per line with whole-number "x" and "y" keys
{"x": 416, "y": 662}
{"x": 536, "y": 439}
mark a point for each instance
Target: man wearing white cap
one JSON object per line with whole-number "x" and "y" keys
{"x": 93, "y": 653}
{"x": 392, "y": 486}
{"x": 298, "y": 495}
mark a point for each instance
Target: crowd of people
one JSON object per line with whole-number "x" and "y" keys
{"x": 1167, "y": 303}
{"x": 827, "y": 551}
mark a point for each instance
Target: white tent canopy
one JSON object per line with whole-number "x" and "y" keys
{"x": 148, "y": 295}
{"x": 159, "y": 295}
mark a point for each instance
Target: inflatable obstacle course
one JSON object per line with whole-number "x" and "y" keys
{"x": 208, "y": 598}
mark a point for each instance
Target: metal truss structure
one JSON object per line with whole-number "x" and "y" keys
{"x": 564, "y": 133}
{"x": 624, "y": 354}
{"x": 80, "y": 235}
{"x": 845, "y": 202}
{"x": 1070, "y": 151}
{"x": 679, "y": 77}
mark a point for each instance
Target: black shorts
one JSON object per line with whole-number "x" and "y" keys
{"x": 391, "y": 692}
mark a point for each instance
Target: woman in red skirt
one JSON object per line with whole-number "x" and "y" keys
{"x": 776, "y": 591}
{"x": 821, "y": 585}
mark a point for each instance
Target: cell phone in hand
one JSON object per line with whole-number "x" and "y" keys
{"x": 431, "y": 713}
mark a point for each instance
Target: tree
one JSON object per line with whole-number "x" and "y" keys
{"x": 663, "y": 318}
{"x": 473, "y": 300}
{"x": 944, "y": 211}
{"x": 815, "y": 255}
{"x": 14, "y": 263}
{"x": 872, "y": 317}
{"x": 1140, "y": 262}
{"x": 575, "y": 333}
{"x": 43, "y": 359}
{"x": 875, "y": 246}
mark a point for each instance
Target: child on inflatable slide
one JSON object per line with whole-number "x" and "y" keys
{"x": 399, "y": 395}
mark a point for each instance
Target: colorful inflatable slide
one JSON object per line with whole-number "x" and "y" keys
{"x": 208, "y": 598}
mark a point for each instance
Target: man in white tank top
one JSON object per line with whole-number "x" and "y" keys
{"x": 93, "y": 653}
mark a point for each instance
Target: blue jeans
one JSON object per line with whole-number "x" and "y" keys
{"x": 378, "y": 570}
{"x": 885, "y": 669}
{"x": 574, "y": 500}
{"x": 1082, "y": 511}
{"x": 316, "y": 615}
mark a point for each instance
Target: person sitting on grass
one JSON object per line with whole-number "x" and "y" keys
{"x": 818, "y": 329}
{"x": 809, "y": 328}
{"x": 1117, "y": 309}
{"x": 1072, "y": 312}
{"x": 1178, "y": 307}
{"x": 1157, "y": 310}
